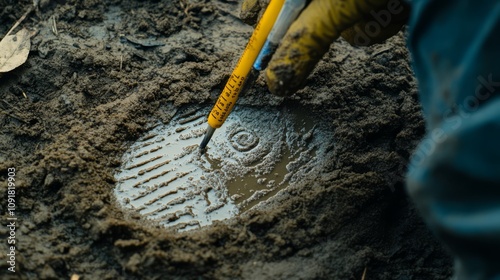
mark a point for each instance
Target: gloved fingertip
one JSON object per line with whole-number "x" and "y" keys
{"x": 293, "y": 61}
{"x": 304, "y": 44}
{"x": 280, "y": 79}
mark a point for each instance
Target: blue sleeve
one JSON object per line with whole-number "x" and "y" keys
{"x": 454, "y": 174}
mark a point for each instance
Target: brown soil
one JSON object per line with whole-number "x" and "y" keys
{"x": 116, "y": 66}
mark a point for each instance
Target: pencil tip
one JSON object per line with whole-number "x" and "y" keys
{"x": 206, "y": 139}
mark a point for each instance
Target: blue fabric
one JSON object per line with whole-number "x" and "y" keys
{"x": 454, "y": 174}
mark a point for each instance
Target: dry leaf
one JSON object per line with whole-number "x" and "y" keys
{"x": 14, "y": 50}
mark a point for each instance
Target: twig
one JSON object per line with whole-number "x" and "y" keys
{"x": 364, "y": 274}
{"x": 22, "y": 91}
{"x": 54, "y": 25}
{"x": 13, "y": 116}
{"x": 10, "y": 105}
{"x": 20, "y": 20}
{"x": 381, "y": 50}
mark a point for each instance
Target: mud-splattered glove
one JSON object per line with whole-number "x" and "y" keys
{"x": 360, "y": 22}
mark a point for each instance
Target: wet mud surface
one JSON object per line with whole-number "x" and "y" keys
{"x": 114, "y": 71}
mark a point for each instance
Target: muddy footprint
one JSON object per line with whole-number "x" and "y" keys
{"x": 256, "y": 153}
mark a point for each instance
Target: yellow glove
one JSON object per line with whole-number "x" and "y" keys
{"x": 360, "y": 22}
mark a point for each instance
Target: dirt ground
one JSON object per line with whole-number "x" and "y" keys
{"x": 115, "y": 66}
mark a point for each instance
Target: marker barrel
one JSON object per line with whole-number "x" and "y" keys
{"x": 234, "y": 85}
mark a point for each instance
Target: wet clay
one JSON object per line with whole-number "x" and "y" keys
{"x": 117, "y": 70}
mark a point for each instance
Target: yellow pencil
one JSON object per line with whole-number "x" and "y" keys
{"x": 234, "y": 85}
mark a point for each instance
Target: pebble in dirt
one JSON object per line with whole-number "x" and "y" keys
{"x": 256, "y": 153}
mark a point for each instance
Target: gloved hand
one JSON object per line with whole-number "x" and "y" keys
{"x": 360, "y": 22}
